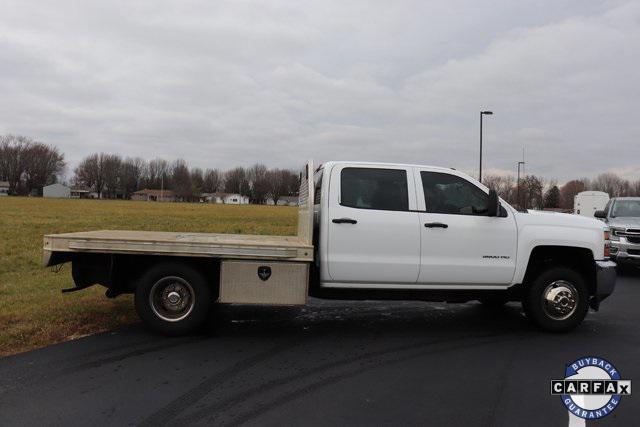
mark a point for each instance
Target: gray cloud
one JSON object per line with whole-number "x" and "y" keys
{"x": 221, "y": 84}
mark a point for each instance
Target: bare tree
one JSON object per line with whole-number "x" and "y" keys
{"x": 612, "y": 184}
{"x": 13, "y": 160}
{"x": 85, "y": 172}
{"x": 552, "y": 196}
{"x": 277, "y": 186}
{"x": 111, "y": 164}
{"x": 212, "y": 181}
{"x": 43, "y": 165}
{"x": 181, "y": 180}
{"x": 625, "y": 189}
{"x": 131, "y": 174}
{"x": 28, "y": 165}
{"x": 90, "y": 172}
{"x": 531, "y": 191}
{"x": 292, "y": 180}
{"x": 157, "y": 174}
{"x": 281, "y": 182}
{"x": 235, "y": 181}
{"x": 197, "y": 180}
{"x": 259, "y": 183}
{"x": 568, "y": 192}
{"x": 504, "y": 186}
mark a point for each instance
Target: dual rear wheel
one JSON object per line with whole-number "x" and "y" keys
{"x": 173, "y": 298}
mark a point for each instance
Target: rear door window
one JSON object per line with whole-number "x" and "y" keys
{"x": 370, "y": 188}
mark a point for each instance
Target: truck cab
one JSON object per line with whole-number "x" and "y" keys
{"x": 411, "y": 227}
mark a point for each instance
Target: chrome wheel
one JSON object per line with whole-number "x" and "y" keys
{"x": 172, "y": 298}
{"x": 560, "y": 300}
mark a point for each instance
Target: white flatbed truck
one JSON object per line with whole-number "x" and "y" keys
{"x": 365, "y": 231}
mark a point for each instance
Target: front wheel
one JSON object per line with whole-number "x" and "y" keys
{"x": 557, "y": 300}
{"x": 173, "y": 298}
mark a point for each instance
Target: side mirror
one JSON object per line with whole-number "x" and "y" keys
{"x": 600, "y": 214}
{"x": 493, "y": 204}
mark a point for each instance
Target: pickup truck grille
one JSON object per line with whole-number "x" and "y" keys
{"x": 632, "y": 234}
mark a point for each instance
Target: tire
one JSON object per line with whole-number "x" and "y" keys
{"x": 566, "y": 303}
{"x": 173, "y": 298}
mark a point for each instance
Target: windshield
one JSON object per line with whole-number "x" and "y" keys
{"x": 626, "y": 208}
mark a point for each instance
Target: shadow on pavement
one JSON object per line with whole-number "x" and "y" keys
{"x": 349, "y": 317}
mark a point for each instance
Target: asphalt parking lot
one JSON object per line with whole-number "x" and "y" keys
{"x": 331, "y": 363}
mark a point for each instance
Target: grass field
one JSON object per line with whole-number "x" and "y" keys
{"x": 34, "y": 313}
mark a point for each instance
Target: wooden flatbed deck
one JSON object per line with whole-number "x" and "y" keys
{"x": 236, "y": 246}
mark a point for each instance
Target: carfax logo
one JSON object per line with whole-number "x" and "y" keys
{"x": 591, "y": 388}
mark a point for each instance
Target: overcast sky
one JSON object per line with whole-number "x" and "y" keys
{"x": 227, "y": 83}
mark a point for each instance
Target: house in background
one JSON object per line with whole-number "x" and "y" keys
{"x": 56, "y": 191}
{"x": 225, "y": 198}
{"x": 4, "y": 188}
{"x": 80, "y": 193}
{"x": 284, "y": 201}
{"x": 149, "y": 195}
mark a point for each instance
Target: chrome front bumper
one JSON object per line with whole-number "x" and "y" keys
{"x": 623, "y": 251}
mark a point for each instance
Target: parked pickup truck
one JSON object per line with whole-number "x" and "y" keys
{"x": 622, "y": 215}
{"x": 365, "y": 231}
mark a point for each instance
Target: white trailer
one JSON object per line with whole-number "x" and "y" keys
{"x": 587, "y": 203}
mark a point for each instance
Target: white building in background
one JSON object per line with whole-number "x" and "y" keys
{"x": 285, "y": 201}
{"x": 4, "y": 188}
{"x": 82, "y": 193}
{"x": 56, "y": 191}
{"x": 225, "y": 198}
{"x": 152, "y": 195}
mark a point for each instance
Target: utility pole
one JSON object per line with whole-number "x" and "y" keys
{"x": 518, "y": 185}
{"x": 482, "y": 113}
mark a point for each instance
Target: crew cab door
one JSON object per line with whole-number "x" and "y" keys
{"x": 461, "y": 245}
{"x": 373, "y": 235}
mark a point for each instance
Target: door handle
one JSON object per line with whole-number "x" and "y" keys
{"x": 344, "y": 221}
{"x": 436, "y": 225}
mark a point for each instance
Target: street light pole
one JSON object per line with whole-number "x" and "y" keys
{"x": 482, "y": 113}
{"x": 518, "y": 185}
